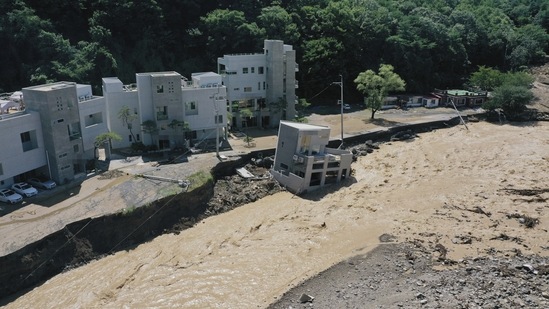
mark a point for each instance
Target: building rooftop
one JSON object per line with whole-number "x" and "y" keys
{"x": 304, "y": 126}
{"x": 52, "y": 86}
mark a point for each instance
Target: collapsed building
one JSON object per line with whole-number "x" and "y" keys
{"x": 303, "y": 162}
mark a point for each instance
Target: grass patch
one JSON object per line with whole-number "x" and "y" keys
{"x": 169, "y": 191}
{"x": 199, "y": 179}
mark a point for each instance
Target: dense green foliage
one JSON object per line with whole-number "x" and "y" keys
{"x": 510, "y": 91}
{"x": 435, "y": 43}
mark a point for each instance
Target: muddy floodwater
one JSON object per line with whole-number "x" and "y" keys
{"x": 247, "y": 258}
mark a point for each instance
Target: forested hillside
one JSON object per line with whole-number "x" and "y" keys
{"x": 430, "y": 43}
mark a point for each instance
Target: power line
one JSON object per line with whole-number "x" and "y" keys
{"x": 69, "y": 240}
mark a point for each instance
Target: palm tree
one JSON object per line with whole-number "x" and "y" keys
{"x": 127, "y": 117}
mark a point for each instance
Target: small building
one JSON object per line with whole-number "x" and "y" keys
{"x": 461, "y": 97}
{"x": 303, "y": 162}
{"x": 431, "y": 101}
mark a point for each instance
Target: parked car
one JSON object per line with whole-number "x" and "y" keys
{"x": 8, "y": 196}
{"x": 24, "y": 189}
{"x": 42, "y": 183}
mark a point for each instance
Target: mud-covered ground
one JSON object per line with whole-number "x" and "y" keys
{"x": 410, "y": 275}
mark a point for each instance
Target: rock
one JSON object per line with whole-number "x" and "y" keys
{"x": 304, "y": 298}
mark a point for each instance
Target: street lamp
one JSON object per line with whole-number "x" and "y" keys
{"x": 340, "y": 83}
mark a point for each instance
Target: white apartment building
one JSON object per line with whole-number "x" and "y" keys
{"x": 166, "y": 100}
{"x": 264, "y": 83}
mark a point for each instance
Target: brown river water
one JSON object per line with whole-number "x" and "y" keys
{"x": 250, "y": 256}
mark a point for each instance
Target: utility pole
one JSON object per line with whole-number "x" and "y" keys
{"x": 340, "y": 83}
{"x": 215, "y": 97}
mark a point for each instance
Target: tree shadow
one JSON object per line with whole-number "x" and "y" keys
{"x": 381, "y": 122}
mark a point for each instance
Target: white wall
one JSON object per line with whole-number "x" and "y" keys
{"x": 115, "y": 99}
{"x": 95, "y": 108}
{"x": 14, "y": 160}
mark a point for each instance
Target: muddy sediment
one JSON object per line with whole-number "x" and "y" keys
{"x": 92, "y": 238}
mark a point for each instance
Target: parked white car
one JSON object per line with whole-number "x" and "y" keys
{"x": 8, "y": 196}
{"x": 42, "y": 184}
{"x": 24, "y": 189}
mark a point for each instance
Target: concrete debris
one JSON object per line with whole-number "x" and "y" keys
{"x": 304, "y": 298}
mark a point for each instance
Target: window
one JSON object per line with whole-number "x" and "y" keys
{"x": 74, "y": 131}
{"x": 247, "y": 89}
{"x": 94, "y": 119}
{"x": 62, "y": 155}
{"x": 60, "y": 120}
{"x": 161, "y": 113}
{"x": 236, "y": 89}
{"x": 191, "y": 108}
{"x": 258, "y": 85}
{"x": 137, "y": 137}
{"x": 244, "y": 70}
{"x": 260, "y": 70}
{"x": 253, "y": 69}
{"x": 29, "y": 141}
{"x": 130, "y": 138}
{"x": 1, "y": 170}
{"x": 75, "y": 148}
{"x": 218, "y": 119}
{"x": 159, "y": 88}
{"x": 263, "y": 85}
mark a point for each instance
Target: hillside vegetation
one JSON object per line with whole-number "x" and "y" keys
{"x": 435, "y": 43}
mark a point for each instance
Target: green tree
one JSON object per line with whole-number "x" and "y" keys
{"x": 486, "y": 78}
{"x": 376, "y": 87}
{"x": 278, "y": 24}
{"x": 179, "y": 125}
{"x": 105, "y": 140}
{"x": 511, "y": 99}
{"x": 127, "y": 116}
{"x": 247, "y": 114}
{"x": 300, "y": 108}
{"x": 150, "y": 127}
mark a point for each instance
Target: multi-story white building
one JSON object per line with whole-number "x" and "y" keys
{"x": 53, "y": 134}
{"x": 264, "y": 83}
{"x": 175, "y": 109}
{"x": 303, "y": 162}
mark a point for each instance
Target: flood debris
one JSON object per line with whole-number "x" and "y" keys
{"x": 363, "y": 149}
{"x": 305, "y": 298}
{"x": 403, "y": 135}
{"x": 525, "y": 220}
{"x": 479, "y": 210}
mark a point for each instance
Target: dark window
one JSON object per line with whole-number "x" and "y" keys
{"x": 260, "y": 70}
{"x": 28, "y": 140}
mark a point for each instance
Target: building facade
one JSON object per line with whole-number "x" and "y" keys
{"x": 303, "y": 162}
{"x": 263, "y": 83}
{"x": 168, "y": 110}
